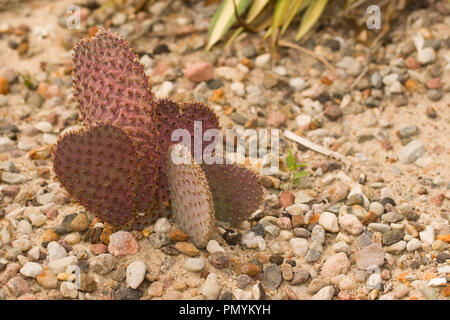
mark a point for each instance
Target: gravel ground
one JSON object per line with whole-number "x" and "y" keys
{"x": 377, "y": 231}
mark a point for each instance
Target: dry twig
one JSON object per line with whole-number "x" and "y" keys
{"x": 317, "y": 148}
{"x": 288, "y": 44}
{"x": 178, "y": 32}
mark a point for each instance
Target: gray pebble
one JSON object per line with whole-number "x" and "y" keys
{"x": 411, "y": 152}
{"x": 318, "y": 234}
{"x": 194, "y": 264}
{"x": 243, "y": 281}
{"x": 300, "y": 276}
{"x": 380, "y": 227}
{"x": 392, "y": 217}
{"x": 272, "y": 277}
{"x": 158, "y": 240}
{"x": 102, "y": 264}
{"x": 408, "y": 132}
{"x": 239, "y": 118}
{"x": 392, "y": 236}
{"x": 364, "y": 241}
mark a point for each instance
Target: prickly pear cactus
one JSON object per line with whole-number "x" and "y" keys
{"x": 191, "y": 198}
{"x": 98, "y": 167}
{"x": 115, "y": 166}
{"x": 173, "y": 115}
{"x": 237, "y": 191}
{"x": 111, "y": 87}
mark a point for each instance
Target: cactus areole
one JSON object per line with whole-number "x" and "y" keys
{"x": 118, "y": 166}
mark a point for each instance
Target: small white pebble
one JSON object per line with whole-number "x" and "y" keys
{"x": 55, "y": 251}
{"x": 194, "y": 264}
{"x": 214, "y": 246}
{"x": 135, "y": 274}
{"x": 38, "y": 220}
{"x": 437, "y": 282}
{"x": 162, "y": 225}
{"x": 31, "y": 269}
{"x": 297, "y": 84}
{"x": 238, "y": 88}
{"x": 262, "y": 60}
{"x": 44, "y": 126}
{"x": 211, "y": 287}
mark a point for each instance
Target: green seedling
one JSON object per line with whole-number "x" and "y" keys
{"x": 294, "y": 170}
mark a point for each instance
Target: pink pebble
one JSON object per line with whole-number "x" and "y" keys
{"x": 98, "y": 248}
{"x": 201, "y": 71}
{"x": 434, "y": 83}
{"x": 122, "y": 243}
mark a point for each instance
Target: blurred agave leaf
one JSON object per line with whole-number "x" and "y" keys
{"x": 310, "y": 17}
{"x": 107, "y": 4}
{"x": 253, "y": 13}
{"x": 281, "y": 12}
{"x": 255, "y": 9}
{"x": 273, "y": 15}
{"x": 224, "y": 18}
{"x": 297, "y": 6}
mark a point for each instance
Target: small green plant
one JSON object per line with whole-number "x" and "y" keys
{"x": 27, "y": 80}
{"x": 295, "y": 173}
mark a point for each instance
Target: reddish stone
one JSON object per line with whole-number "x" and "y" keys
{"x": 51, "y": 213}
{"x": 386, "y": 145}
{"x": 437, "y": 200}
{"x": 333, "y": 112}
{"x": 60, "y": 198}
{"x": 284, "y": 223}
{"x": 98, "y": 248}
{"x": 369, "y": 218}
{"x": 291, "y": 295}
{"x": 11, "y": 191}
{"x": 342, "y": 295}
{"x": 198, "y": 72}
{"x": 52, "y": 118}
{"x": 434, "y": 83}
{"x": 122, "y": 243}
{"x": 275, "y": 119}
{"x": 172, "y": 295}
{"x": 160, "y": 68}
{"x": 334, "y": 265}
{"x": 412, "y": 63}
{"x": 54, "y": 295}
{"x": 286, "y": 199}
{"x": 18, "y": 286}
{"x": 11, "y": 270}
